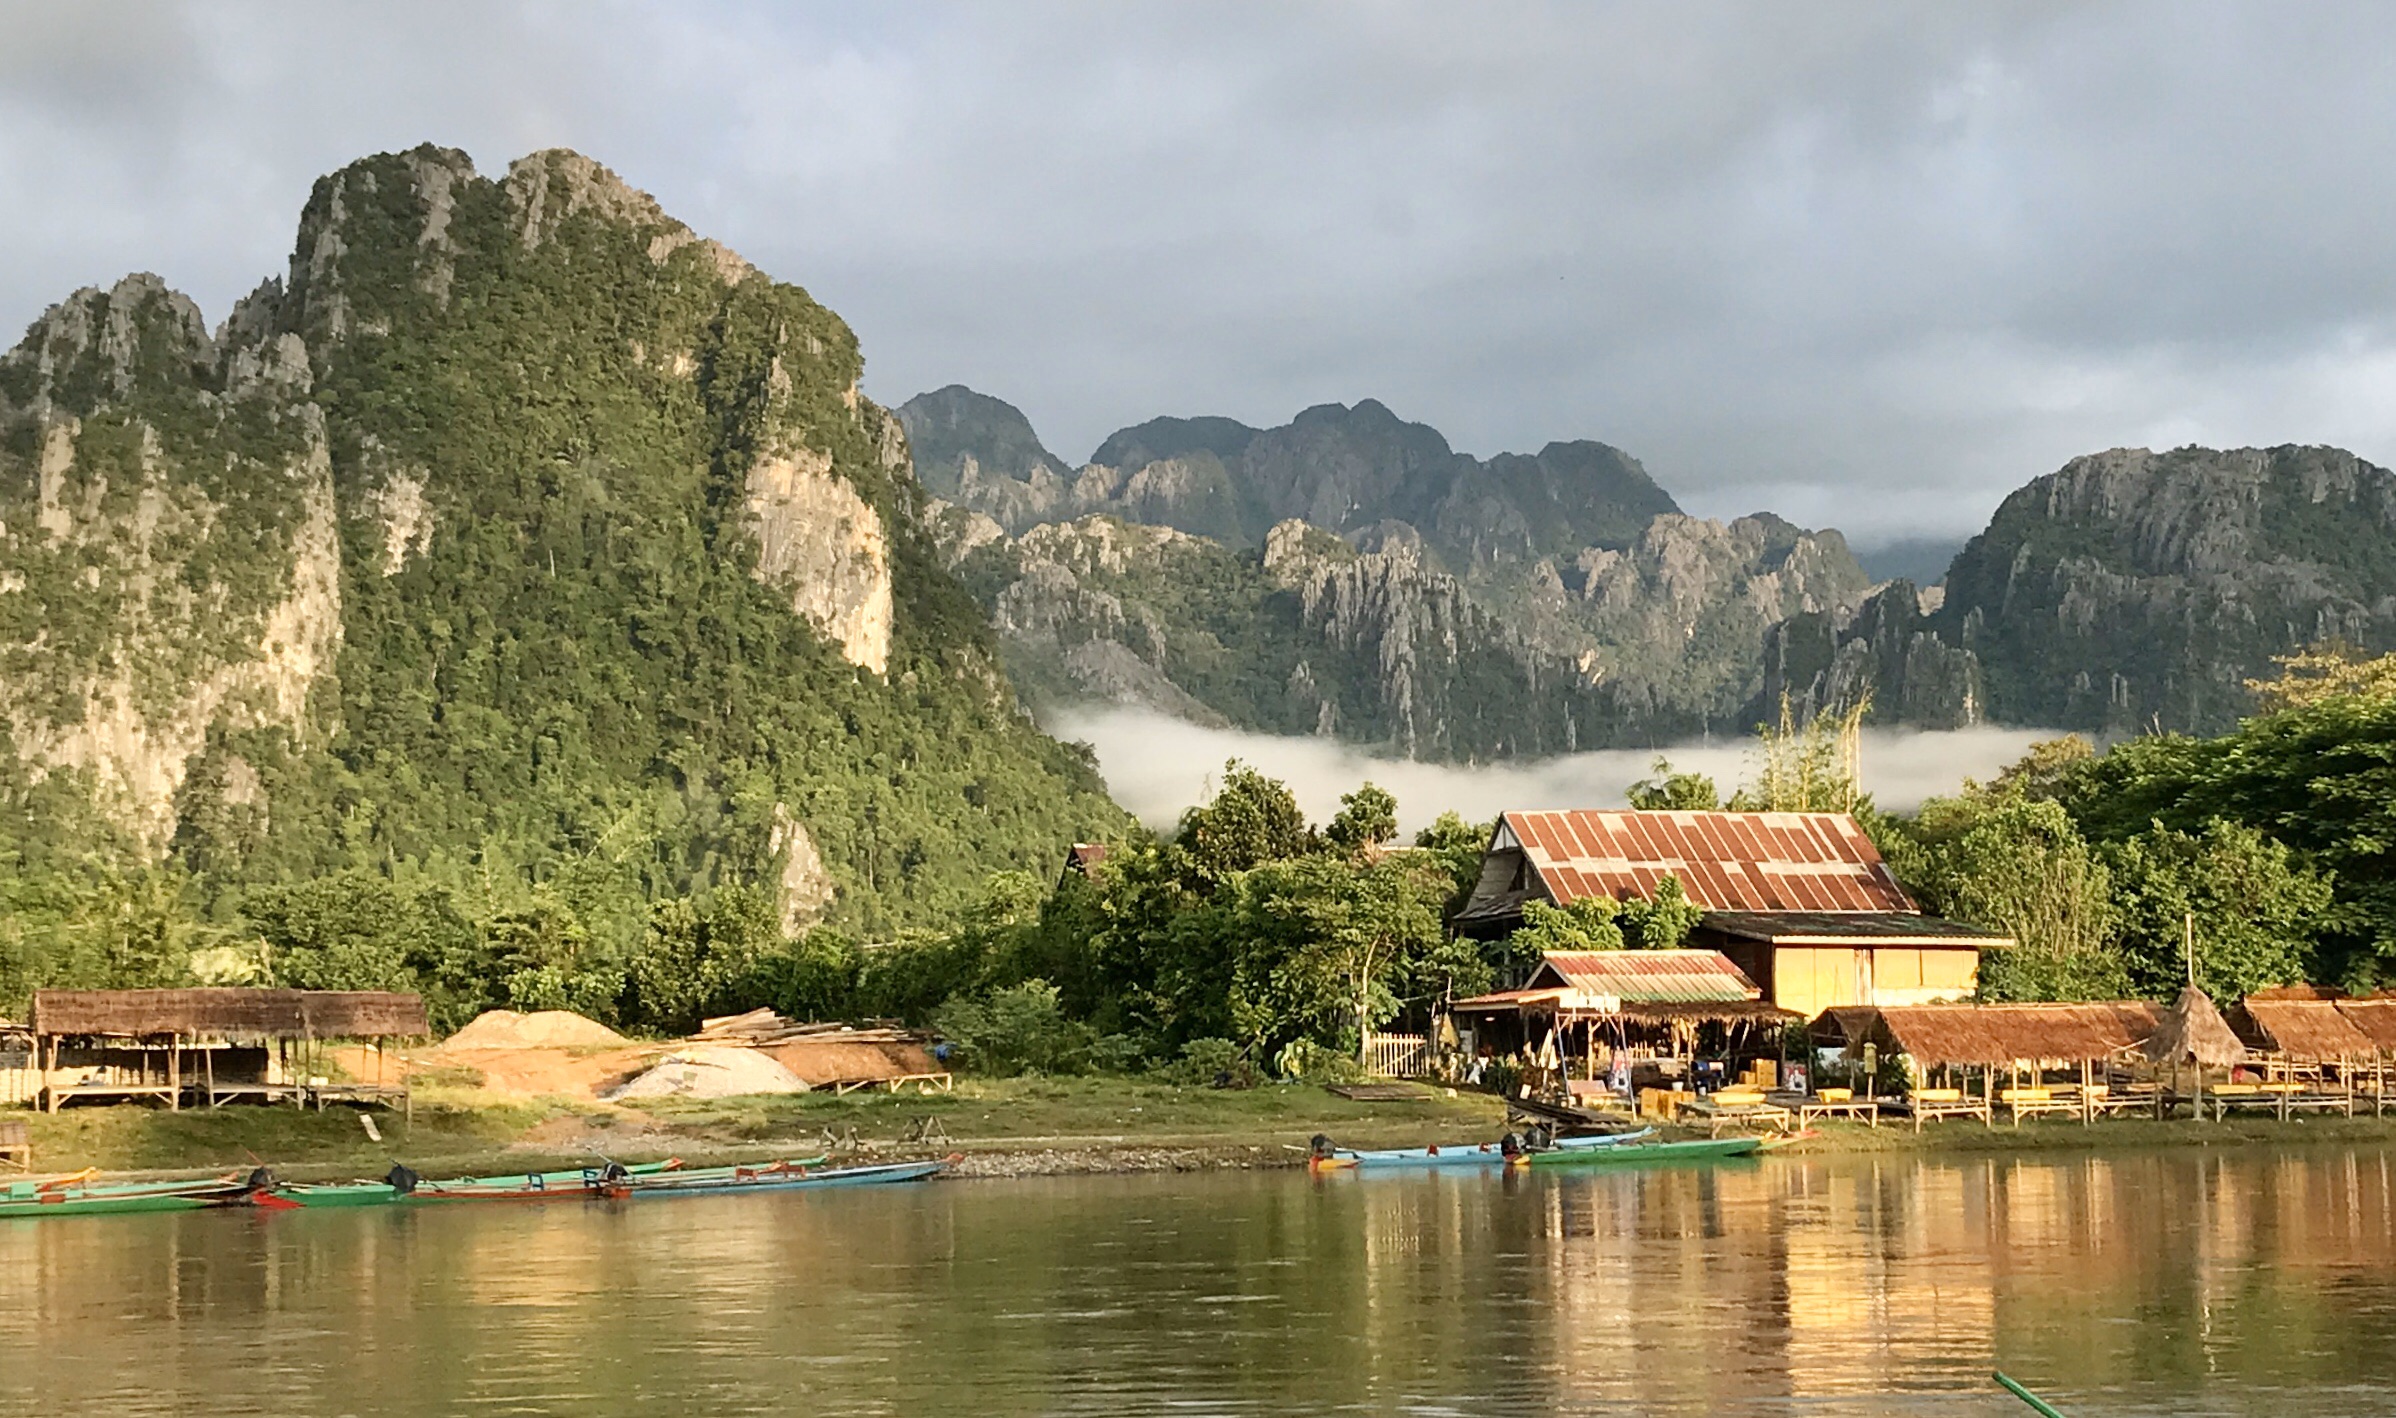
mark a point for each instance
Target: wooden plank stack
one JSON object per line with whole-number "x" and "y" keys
{"x": 763, "y": 1028}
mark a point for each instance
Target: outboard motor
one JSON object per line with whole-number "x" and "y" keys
{"x": 1538, "y": 1137}
{"x": 402, "y": 1179}
{"x": 261, "y": 1180}
{"x": 1510, "y": 1146}
{"x": 613, "y": 1172}
{"x": 1320, "y": 1148}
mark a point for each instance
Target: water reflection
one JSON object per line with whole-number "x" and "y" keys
{"x": 2128, "y": 1283}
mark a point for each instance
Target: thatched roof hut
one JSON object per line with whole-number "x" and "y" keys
{"x": 2374, "y": 1019}
{"x": 2309, "y": 1029}
{"x": 1972, "y": 1034}
{"x": 2193, "y": 1031}
{"x": 229, "y": 1013}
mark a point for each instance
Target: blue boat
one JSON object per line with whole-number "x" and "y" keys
{"x": 778, "y": 1179}
{"x": 1470, "y": 1154}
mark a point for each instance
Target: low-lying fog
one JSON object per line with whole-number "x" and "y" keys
{"x": 1157, "y": 765}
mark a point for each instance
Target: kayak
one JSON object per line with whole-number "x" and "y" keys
{"x": 778, "y": 1177}
{"x": 85, "y": 1198}
{"x": 1481, "y": 1154}
{"x": 1649, "y": 1153}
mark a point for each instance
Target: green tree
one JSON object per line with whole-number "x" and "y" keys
{"x": 1662, "y": 921}
{"x": 1016, "y": 1030}
{"x": 1252, "y": 820}
{"x": 1367, "y": 818}
{"x": 2253, "y": 912}
{"x": 1666, "y": 789}
{"x": 2008, "y": 863}
{"x": 696, "y": 955}
{"x": 1589, "y": 923}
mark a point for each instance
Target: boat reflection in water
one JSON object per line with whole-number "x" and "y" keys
{"x": 2114, "y": 1284}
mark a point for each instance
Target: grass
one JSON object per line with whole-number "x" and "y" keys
{"x": 461, "y": 1131}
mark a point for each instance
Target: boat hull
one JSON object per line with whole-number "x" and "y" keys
{"x": 1484, "y": 1154}
{"x": 119, "y": 1199}
{"x": 1649, "y": 1154}
{"x": 788, "y": 1180}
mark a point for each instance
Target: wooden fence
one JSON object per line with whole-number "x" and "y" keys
{"x": 1397, "y": 1055}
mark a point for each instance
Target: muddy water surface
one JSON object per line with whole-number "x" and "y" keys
{"x": 2184, "y": 1282}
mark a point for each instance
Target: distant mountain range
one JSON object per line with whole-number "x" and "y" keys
{"x": 1350, "y": 574}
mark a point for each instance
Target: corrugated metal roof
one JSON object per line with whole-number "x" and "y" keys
{"x": 1646, "y": 976}
{"x": 1852, "y": 927}
{"x": 1726, "y": 861}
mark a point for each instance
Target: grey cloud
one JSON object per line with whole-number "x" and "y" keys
{"x": 1868, "y": 265}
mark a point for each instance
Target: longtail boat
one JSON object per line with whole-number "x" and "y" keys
{"x": 1471, "y": 1154}
{"x": 402, "y": 1185}
{"x": 777, "y": 1177}
{"x": 80, "y": 1196}
{"x": 1640, "y": 1154}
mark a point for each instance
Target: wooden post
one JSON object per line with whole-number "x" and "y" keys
{"x": 174, "y": 1073}
{"x": 49, "y": 1045}
{"x": 208, "y": 1063}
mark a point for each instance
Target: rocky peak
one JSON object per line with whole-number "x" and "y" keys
{"x": 100, "y": 346}
{"x": 2131, "y": 588}
{"x": 957, "y": 432}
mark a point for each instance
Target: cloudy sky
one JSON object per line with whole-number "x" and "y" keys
{"x": 1868, "y": 265}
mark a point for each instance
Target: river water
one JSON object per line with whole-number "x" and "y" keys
{"x": 2191, "y": 1281}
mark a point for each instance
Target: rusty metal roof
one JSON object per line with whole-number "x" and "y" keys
{"x": 1646, "y": 976}
{"x": 1725, "y": 861}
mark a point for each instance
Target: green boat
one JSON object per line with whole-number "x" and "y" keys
{"x": 405, "y": 1186}
{"x": 85, "y": 1198}
{"x": 1647, "y": 1154}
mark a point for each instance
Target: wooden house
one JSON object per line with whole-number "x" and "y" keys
{"x": 1801, "y": 903}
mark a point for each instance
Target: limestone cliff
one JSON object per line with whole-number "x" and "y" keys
{"x": 169, "y": 563}
{"x": 1411, "y": 598}
{"x": 2130, "y": 589}
{"x": 517, "y": 535}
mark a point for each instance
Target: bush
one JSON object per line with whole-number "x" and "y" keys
{"x": 1310, "y": 1062}
{"x": 1016, "y": 1031}
{"x": 1210, "y": 1062}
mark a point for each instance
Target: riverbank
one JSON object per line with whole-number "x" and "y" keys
{"x": 1002, "y": 1127}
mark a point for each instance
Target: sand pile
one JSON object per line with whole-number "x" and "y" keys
{"x": 547, "y": 1029}
{"x": 836, "y": 1060}
{"x": 707, "y": 1071}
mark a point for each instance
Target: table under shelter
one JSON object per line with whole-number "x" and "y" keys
{"x": 1605, "y": 1023}
{"x": 1977, "y": 1060}
{"x": 2312, "y": 1057}
{"x": 214, "y": 1046}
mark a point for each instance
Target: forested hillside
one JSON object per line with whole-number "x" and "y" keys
{"x": 519, "y": 566}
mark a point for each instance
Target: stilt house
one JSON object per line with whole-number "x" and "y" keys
{"x": 1801, "y": 903}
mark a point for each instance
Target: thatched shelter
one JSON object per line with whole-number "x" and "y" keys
{"x": 2300, "y": 1030}
{"x": 2374, "y": 1019}
{"x": 229, "y": 1014}
{"x": 2192, "y": 1031}
{"x": 127, "y": 1045}
{"x": 1976, "y": 1035}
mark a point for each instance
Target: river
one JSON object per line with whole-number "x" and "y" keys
{"x": 2190, "y": 1281}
